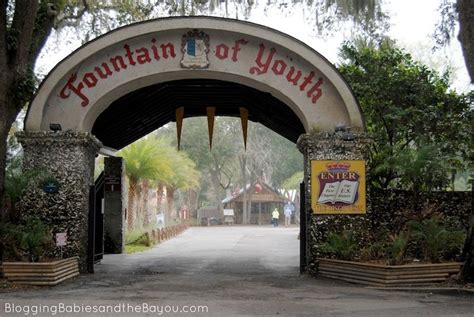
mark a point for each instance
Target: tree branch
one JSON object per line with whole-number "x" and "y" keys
{"x": 43, "y": 26}
{"x": 229, "y": 179}
{"x": 73, "y": 19}
{"x": 22, "y": 31}
{"x": 3, "y": 33}
{"x": 466, "y": 33}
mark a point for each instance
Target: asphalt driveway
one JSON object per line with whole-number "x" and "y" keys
{"x": 222, "y": 271}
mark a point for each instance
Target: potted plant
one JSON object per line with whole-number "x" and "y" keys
{"x": 422, "y": 254}
{"x": 27, "y": 243}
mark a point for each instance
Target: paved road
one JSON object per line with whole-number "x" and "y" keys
{"x": 234, "y": 271}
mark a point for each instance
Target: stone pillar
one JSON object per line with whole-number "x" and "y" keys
{"x": 114, "y": 205}
{"x": 68, "y": 156}
{"x": 328, "y": 146}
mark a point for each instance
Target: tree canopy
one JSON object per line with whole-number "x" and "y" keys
{"x": 409, "y": 108}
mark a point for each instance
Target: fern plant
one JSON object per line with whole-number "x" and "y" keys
{"x": 342, "y": 246}
{"x": 435, "y": 239}
{"x": 397, "y": 247}
{"x": 35, "y": 238}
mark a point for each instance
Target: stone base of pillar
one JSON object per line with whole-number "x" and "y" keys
{"x": 68, "y": 157}
{"x": 328, "y": 146}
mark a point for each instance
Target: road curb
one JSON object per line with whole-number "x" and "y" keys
{"x": 435, "y": 290}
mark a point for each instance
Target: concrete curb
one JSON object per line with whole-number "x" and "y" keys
{"x": 436, "y": 290}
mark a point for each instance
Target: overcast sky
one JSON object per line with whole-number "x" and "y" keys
{"x": 412, "y": 25}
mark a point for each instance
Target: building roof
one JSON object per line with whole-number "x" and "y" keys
{"x": 251, "y": 188}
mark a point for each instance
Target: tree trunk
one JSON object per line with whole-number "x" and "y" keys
{"x": 16, "y": 62}
{"x": 249, "y": 207}
{"x": 193, "y": 196}
{"x": 170, "y": 198}
{"x": 7, "y": 117}
{"x": 467, "y": 273}
{"x": 138, "y": 205}
{"x": 160, "y": 193}
{"x": 216, "y": 184}
{"x": 465, "y": 10}
{"x": 132, "y": 193}
{"x": 243, "y": 173}
{"x": 3, "y": 163}
{"x": 146, "y": 210}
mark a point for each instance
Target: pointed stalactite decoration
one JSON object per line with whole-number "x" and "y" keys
{"x": 244, "y": 118}
{"x": 211, "y": 115}
{"x": 179, "y": 124}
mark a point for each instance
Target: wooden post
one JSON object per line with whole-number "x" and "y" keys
{"x": 260, "y": 213}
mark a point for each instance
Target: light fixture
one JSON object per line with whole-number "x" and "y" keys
{"x": 340, "y": 127}
{"x": 55, "y": 127}
{"x": 348, "y": 135}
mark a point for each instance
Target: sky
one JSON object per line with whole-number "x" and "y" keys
{"x": 412, "y": 25}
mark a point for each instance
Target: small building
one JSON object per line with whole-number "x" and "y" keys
{"x": 208, "y": 213}
{"x": 261, "y": 198}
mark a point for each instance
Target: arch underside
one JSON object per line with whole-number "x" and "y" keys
{"x": 144, "y": 110}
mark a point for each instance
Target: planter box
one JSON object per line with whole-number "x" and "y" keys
{"x": 41, "y": 273}
{"x": 387, "y": 275}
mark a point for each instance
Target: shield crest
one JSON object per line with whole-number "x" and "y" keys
{"x": 195, "y": 47}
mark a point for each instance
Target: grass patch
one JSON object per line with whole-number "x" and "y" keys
{"x": 135, "y": 248}
{"x": 134, "y": 236}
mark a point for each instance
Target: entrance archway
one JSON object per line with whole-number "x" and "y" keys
{"x": 130, "y": 82}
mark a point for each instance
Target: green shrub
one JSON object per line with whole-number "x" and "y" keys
{"x": 9, "y": 241}
{"x": 397, "y": 246}
{"x": 31, "y": 238}
{"x": 342, "y": 246}
{"x": 35, "y": 238}
{"x": 374, "y": 251}
{"x": 435, "y": 240}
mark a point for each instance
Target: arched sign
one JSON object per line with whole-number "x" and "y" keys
{"x": 84, "y": 84}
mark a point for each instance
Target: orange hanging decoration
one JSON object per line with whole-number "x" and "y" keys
{"x": 211, "y": 114}
{"x": 244, "y": 118}
{"x": 179, "y": 124}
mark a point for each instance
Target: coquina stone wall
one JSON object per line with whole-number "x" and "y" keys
{"x": 69, "y": 157}
{"x": 392, "y": 208}
{"x": 387, "y": 211}
{"x": 328, "y": 146}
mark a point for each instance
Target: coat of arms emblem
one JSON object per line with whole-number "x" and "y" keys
{"x": 195, "y": 46}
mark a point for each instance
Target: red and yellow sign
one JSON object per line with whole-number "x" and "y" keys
{"x": 338, "y": 187}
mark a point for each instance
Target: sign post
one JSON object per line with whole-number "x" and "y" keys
{"x": 61, "y": 240}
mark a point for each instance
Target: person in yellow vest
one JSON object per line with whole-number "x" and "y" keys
{"x": 275, "y": 216}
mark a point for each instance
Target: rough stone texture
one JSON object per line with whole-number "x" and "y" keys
{"x": 328, "y": 146}
{"x": 387, "y": 211}
{"x": 114, "y": 206}
{"x": 69, "y": 157}
{"x": 391, "y": 208}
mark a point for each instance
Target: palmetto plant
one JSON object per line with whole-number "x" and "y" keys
{"x": 184, "y": 176}
{"x": 342, "y": 245}
{"x": 32, "y": 238}
{"x": 147, "y": 158}
{"x": 35, "y": 238}
{"x": 397, "y": 246}
{"x": 435, "y": 239}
